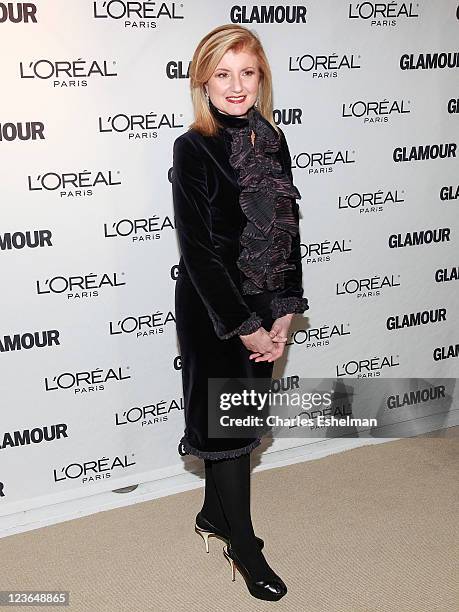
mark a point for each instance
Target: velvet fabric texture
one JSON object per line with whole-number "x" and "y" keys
{"x": 210, "y": 307}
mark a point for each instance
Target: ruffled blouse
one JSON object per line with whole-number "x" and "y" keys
{"x": 266, "y": 198}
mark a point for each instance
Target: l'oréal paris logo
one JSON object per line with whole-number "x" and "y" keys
{"x": 321, "y": 162}
{"x": 372, "y": 201}
{"x": 321, "y": 252}
{"x": 67, "y": 73}
{"x": 74, "y": 184}
{"x": 263, "y": 13}
{"x": 375, "y": 111}
{"x": 151, "y": 414}
{"x": 139, "y": 230}
{"x": 143, "y": 325}
{"x": 86, "y": 381}
{"x": 383, "y": 14}
{"x": 319, "y": 337}
{"x": 363, "y": 288}
{"x": 137, "y": 15}
{"x": 370, "y": 367}
{"x": 324, "y": 66}
{"x": 93, "y": 470}
{"x": 139, "y": 127}
{"x": 79, "y": 287}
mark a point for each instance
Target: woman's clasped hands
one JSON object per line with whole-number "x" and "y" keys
{"x": 268, "y": 346}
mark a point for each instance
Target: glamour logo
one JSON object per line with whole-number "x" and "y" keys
{"x": 288, "y": 116}
{"x": 453, "y": 106}
{"x": 21, "y": 240}
{"x": 421, "y": 152}
{"x": 175, "y": 70}
{"x": 138, "y": 126}
{"x": 413, "y": 398}
{"x": 428, "y": 236}
{"x": 444, "y": 275}
{"x": 316, "y": 337}
{"x": 323, "y": 66}
{"x": 85, "y": 381}
{"x": 367, "y": 368}
{"x": 150, "y": 414}
{"x": 367, "y": 287}
{"x": 78, "y": 183}
{"x": 28, "y": 130}
{"x": 378, "y": 111}
{"x": 286, "y": 383}
{"x": 47, "y": 433}
{"x": 321, "y": 162}
{"x": 429, "y": 61}
{"x": 320, "y": 252}
{"x": 381, "y": 12}
{"x": 140, "y": 15}
{"x": 18, "y": 12}
{"x": 29, "y": 340}
{"x": 449, "y": 193}
{"x": 268, "y": 14}
{"x": 93, "y": 469}
{"x": 370, "y": 202}
{"x": 78, "y": 287}
{"x": 66, "y": 73}
{"x": 446, "y": 352}
{"x": 142, "y": 325}
{"x": 140, "y": 230}
{"x": 414, "y": 319}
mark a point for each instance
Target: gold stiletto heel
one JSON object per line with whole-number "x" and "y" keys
{"x": 231, "y": 562}
{"x": 204, "y": 535}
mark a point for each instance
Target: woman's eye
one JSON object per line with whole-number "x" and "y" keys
{"x": 249, "y": 72}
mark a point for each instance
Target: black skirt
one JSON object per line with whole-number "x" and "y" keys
{"x": 204, "y": 356}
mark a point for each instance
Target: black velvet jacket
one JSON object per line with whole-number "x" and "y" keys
{"x": 209, "y": 222}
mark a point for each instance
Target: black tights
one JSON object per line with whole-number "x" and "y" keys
{"x": 227, "y": 505}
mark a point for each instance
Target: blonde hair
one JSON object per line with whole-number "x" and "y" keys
{"x": 205, "y": 60}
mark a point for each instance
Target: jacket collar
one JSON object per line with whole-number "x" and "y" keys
{"x": 231, "y": 121}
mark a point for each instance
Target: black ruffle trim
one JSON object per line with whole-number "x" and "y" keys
{"x": 249, "y": 326}
{"x": 288, "y": 305}
{"x": 185, "y": 448}
{"x": 267, "y": 199}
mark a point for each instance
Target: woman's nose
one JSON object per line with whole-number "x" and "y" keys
{"x": 236, "y": 84}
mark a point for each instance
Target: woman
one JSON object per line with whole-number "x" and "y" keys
{"x": 240, "y": 273}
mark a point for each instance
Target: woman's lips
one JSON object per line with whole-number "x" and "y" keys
{"x": 235, "y": 100}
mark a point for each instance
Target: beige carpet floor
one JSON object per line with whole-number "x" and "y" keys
{"x": 373, "y": 529}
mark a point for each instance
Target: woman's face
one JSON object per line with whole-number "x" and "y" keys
{"x": 233, "y": 87}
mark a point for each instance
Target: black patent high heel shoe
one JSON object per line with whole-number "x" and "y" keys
{"x": 270, "y": 589}
{"x": 206, "y": 530}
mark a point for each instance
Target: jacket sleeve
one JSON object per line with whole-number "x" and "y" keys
{"x": 290, "y": 299}
{"x": 227, "y": 310}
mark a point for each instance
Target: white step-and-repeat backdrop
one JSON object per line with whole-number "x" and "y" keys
{"x": 93, "y": 95}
